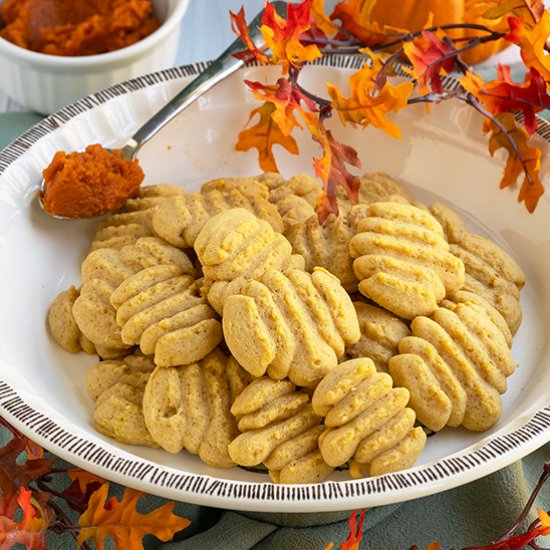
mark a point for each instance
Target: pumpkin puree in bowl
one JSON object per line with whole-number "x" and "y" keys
{"x": 77, "y": 27}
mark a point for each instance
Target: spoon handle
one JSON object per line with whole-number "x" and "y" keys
{"x": 225, "y": 65}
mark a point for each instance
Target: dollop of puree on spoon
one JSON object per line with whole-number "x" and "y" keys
{"x": 89, "y": 183}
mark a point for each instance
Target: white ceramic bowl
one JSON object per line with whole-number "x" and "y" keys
{"x": 45, "y": 83}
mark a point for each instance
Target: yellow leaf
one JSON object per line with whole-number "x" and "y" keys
{"x": 369, "y": 105}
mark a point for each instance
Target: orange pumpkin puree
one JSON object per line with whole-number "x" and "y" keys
{"x": 90, "y": 183}
{"x": 77, "y": 27}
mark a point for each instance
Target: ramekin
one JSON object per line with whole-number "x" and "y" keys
{"x": 44, "y": 83}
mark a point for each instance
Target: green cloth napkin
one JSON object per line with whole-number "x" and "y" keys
{"x": 473, "y": 514}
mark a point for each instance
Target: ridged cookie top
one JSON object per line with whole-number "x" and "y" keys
{"x": 366, "y": 420}
{"x": 381, "y": 332}
{"x": 402, "y": 259}
{"x": 294, "y": 324}
{"x": 160, "y": 309}
{"x": 117, "y": 388}
{"x": 455, "y": 366}
{"x": 490, "y": 271}
{"x": 188, "y": 407}
{"x": 179, "y": 220}
{"x": 325, "y": 246}
{"x": 235, "y": 243}
{"x": 280, "y": 430}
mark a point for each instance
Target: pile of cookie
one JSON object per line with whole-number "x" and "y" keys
{"x": 231, "y": 325}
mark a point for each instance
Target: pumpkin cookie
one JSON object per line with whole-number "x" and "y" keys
{"x": 455, "y": 366}
{"x": 280, "y": 430}
{"x": 188, "y": 407}
{"x": 367, "y": 421}
{"x": 294, "y": 324}
{"x": 402, "y": 261}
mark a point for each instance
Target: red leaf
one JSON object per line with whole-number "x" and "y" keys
{"x": 356, "y": 532}
{"x": 331, "y": 168}
{"x": 283, "y": 36}
{"x": 240, "y": 28}
{"x": 532, "y": 41}
{"x": 502, "y": 94}
{"x": 430, "y": 57}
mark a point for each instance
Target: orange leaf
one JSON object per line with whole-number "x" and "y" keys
{"x": 355, "y": 16}
{"x": 84, "y": 478}
{"x": 121, "y": 521}
{"x": 430, "y": 57}
{"x": 263, "y": 136}
{"x": 287, "y": 98}
{"x": 331, "y": 167}
{"x": 282, "y": 36}
{"x": 30, "y": 530}
{"x": 531, "y": 189}
{"x": 356, "y": 533}
{"x": 524, "y": 9}
{"x": 240, "y": 28}
{"x": 532, "y": 41}
{"x": 545, "y": 522}
{"x": 321, "y": 20}
{"x": 502, "y": 94}
{"x": 367, "y": 105}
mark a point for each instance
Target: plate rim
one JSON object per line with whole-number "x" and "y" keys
{"x": 457, "y": 469}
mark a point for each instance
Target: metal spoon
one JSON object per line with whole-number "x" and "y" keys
{"x": 225, "y": 65}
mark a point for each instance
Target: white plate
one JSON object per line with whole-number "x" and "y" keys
{"x": 444, "y": 155}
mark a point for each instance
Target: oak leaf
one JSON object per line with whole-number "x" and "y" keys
{"x": 502, "y": 94}
{"x": 532, "y": 42}
{"x": 331, "y": 169}
{"x": 529, "y": 164}
{"x": 527, "y": 10}
{"x": 78, "y": 493}
{"x": 263, "y": 136}
{"x": 30, "y": 529}
{"x": 430, "y": 57}
{"x": 283, "y": 36}
{"x": 356, "y": 532}
{"x": 121, "y": 521}
{"x": 287, "y": 99}
{"x": 369, "y": 105}
{"x": 355, "y": 17}
{"x": 240, "y": 28}
{"x": 322, "y": 22}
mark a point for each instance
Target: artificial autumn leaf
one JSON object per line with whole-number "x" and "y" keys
{"x": 331, "y": 168}
{"x": 121, "y": 521}
{"x": 355, "y": 19}
{"x": 283, "y": 36}
{"x": 84, "y": 484}
{"x": 369, "y": 105}
{"x": 286, "y": 98}
{"x": 240, "y": 28}
{"x": 15, "y": 474}
{"x": 30, "y": 530}
{"x": 502, "y": 94}
{"x": 356, "y": 532}
{"x": 532, "y": 42}
{"x": 429, "y": 56}
{"x": 531, "y": 189}
{"x": 318, "y": 15}
{"x": 263, "y": 136}
{"x": 527, "y": 10}
{"x": 432, "y": 546}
